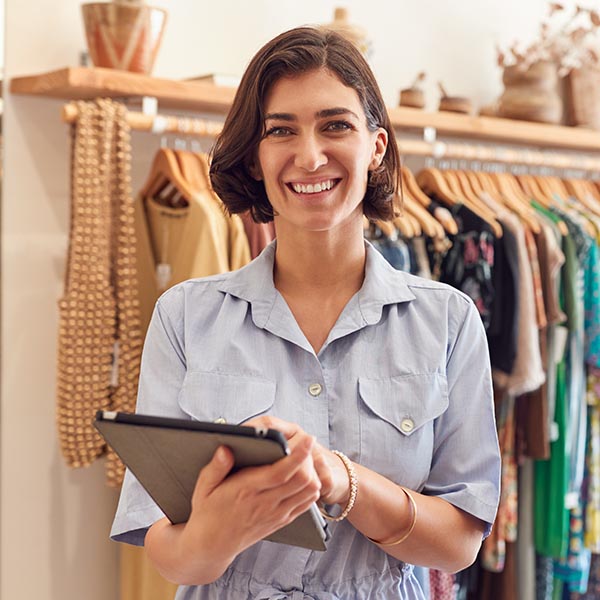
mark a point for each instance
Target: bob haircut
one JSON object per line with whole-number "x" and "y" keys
{"x": 292, "y": 53}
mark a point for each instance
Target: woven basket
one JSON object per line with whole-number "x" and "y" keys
{"x": 532, "y": 94}
{"x": 122, "y": 36}
{"x": 582, "y": 98}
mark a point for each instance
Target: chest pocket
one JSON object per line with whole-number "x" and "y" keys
{"x": 224, "y": 398}
{"x": 397, "y": 418}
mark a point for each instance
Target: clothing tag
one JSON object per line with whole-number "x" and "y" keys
{"x": 571, "y": 500}
{"x": 114, "y": 372}
{"x": 553, "y": 431}
{"x": 561, "y": 334}
{"x": 163, "y": 275}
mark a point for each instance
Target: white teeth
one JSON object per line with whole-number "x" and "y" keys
{"x": 310, "y": 188}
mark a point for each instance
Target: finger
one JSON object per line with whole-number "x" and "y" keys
{"x": 214, "y": 472}
{"x": 295, "y": 505}
{"x": 288, "y": 429}
{"x": 283, "y": 470}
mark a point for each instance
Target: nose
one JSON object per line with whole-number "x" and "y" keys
{"x": 310, "y": 153}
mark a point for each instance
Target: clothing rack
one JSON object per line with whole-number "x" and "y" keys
{"x": 156, "y": 123}
{"x": 193, "y": 126}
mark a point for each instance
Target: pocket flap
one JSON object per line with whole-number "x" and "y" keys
{"x": 406, "y": 402}
{"x": 220, "y": 397}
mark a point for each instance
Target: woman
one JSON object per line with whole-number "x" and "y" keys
{"x": 379, "y": 380}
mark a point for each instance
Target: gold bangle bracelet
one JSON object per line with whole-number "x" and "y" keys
{"x": 413, "y": 522}
{"x": 353, "y": 489}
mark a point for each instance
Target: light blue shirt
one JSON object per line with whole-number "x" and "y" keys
{"x": 404, "y": 388}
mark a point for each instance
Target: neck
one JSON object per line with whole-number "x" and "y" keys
{"x": 327, "y": 262}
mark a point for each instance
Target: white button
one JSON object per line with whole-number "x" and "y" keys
{"x": 407, "y": 425}
{"x": 314, "y": 389}
{"x": 220, "y": 421}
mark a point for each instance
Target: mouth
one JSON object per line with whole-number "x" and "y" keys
{"x": 313, "y": 188}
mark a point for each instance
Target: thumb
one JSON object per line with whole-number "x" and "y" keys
{"x": 214, "y": 472}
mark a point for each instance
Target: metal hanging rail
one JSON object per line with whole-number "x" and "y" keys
{"x": 193, "y": 126}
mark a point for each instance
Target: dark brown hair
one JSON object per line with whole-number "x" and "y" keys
{"x": 292, "y": 53}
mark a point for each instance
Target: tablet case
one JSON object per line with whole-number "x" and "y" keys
{"x": 166, "y": 455}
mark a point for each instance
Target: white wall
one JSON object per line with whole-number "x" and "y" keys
{"x": 53, "y": 521}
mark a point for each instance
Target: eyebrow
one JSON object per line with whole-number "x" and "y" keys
{"x": 321, "y": 114}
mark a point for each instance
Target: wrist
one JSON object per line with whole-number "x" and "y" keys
{"x": 203, "y": 554}
{"x": 351, "y": 489}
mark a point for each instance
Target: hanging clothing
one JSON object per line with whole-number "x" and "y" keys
{"x": 173, "y": 245}
{"x": 259, "y": 235}
{"x": 468, "y": 264}
{"x": 184, "y": 243}
{"x": 99, "y": 343}
{"x": 528, "y": 371}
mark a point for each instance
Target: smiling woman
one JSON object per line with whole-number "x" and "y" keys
{"x": 247, "y": 124}
{"x": 379, "y": 380}
{"x": 316, "y": 153}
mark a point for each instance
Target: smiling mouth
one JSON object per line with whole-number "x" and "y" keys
{"x": 313, "y": 188}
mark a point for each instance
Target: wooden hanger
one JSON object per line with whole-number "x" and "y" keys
{"x": 165, "y": 182}
{"x": 511, "y": 196}
{"x": 529, "y": 185}
{"x": 191, "y": 169}
{"x": 431, "y": 180}
{"x": 441, "y": 216}
{"x": 431, "y": 227}
{"x": 427, "y": 224}
{"x": 585, "y": 193}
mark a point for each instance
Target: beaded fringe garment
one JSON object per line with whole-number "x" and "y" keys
{"x": 99, "y": 344}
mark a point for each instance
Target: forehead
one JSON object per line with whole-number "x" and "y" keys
{"x": 311, "y": 92}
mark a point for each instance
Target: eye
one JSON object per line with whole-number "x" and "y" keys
{"x": 278, "y": 131}
{"x": 339, "y": 126}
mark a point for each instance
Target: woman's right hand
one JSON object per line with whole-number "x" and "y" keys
{"x": 229, "y": 514}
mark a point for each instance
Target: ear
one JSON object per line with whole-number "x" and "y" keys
{"x": 380, "y": 147}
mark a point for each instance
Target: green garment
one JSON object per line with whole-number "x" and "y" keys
{"x": 552, "y": 476}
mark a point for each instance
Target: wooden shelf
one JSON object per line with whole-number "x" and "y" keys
{"x": 80, "y": 83}
{"x": 493, "y": 129}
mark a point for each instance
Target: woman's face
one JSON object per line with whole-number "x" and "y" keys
{"x": 316, "y": 152}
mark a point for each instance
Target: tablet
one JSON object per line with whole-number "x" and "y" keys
{"x": 166, "y": 455}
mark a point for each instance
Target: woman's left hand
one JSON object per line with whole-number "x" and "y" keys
{"x": 335, "y": 484}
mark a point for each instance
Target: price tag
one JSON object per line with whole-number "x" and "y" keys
{"x": 163, "y": 275}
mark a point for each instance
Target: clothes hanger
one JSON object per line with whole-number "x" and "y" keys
{"x": 190, "y": 169}
{"x": 529, "y": 186}
{"x": 414, "y": 223}
{"x": 430, "y": 226}
{"x": 583, "y": 191}
{"x": 432, "y": 180}
{"x": 427, "y": 224}
{"x": 441, "y": 215}
{"x": 477, "y": 185}
{"x": 461, "y": 188}
{"x": 511, "y": 196}
{"x": 165, "y": 182}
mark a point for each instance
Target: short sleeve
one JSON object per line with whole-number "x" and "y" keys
{"x": 465, "y": 469}
{"x": 162, "y": 373}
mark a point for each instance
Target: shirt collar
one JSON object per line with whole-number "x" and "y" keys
{"x": 383, "y": 285}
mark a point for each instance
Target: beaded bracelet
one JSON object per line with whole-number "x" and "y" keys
{"x": 353, "y": 489}
{"x": 413, "y": 522}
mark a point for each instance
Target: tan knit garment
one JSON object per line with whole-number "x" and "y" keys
{"x": 99, "y": 344}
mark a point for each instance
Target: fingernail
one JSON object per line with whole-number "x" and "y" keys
{"x": 220, "y": 454}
